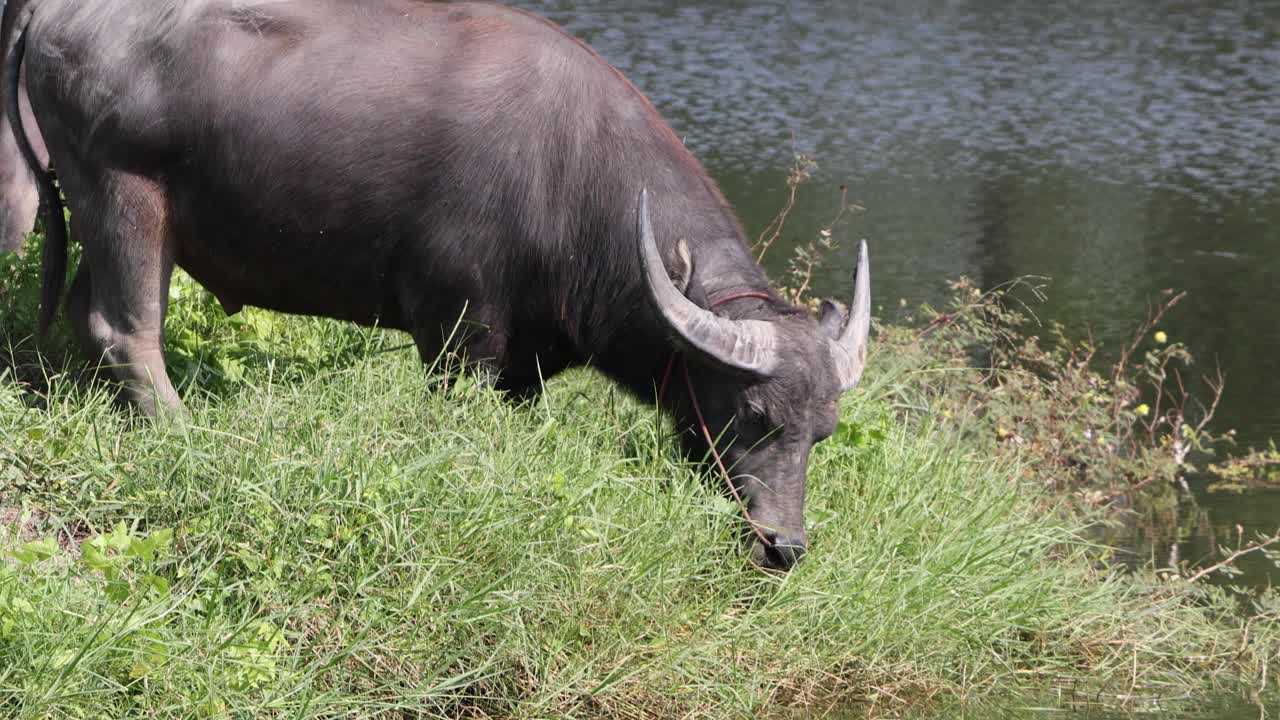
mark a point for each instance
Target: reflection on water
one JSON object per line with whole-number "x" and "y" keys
{"x": 1118, "y": 148}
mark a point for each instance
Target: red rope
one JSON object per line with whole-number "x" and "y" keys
{"x": 702, "y": 423}
{"x": 666, "y": 375}
{"x": 728, "y": 481}
{"x": 671, "y": 363}
{"x": 747, "y": 294}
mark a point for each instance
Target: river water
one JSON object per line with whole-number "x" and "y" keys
{"x": 1118, "y": 148}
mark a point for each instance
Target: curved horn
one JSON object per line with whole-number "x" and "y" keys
{"x": 745, "y": 345}
{"x": 849, "y": 351}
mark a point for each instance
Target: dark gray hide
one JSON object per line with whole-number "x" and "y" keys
{"x": 19, "y": 198}
{"x": 410, "y": 164}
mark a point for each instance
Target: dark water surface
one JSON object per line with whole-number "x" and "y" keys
{"x": 1117, "y": 148}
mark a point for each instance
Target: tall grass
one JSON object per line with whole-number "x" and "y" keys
{"x": 339, "y": 532}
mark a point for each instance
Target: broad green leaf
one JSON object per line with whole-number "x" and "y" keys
{"x": 157, "y": 583}
{"x": 117, "y": 590}
{"x": 91, "y": 555}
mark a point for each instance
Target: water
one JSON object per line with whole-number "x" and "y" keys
{"x": 1118, "y": 148}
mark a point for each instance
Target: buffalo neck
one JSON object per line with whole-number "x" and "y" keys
{"x": 723, "y": 271}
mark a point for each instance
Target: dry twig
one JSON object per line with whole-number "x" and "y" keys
{"x": 1252, "y": 547}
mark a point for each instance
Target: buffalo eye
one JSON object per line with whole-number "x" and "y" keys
{"x": 825, "y": 425}
{"x": 755, "y": 423}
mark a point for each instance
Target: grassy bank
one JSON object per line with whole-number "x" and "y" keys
{"x": 338, "y": 533}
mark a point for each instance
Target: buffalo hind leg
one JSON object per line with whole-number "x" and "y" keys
{"x": 120, "y": 294}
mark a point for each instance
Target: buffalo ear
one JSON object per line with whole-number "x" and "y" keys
{"x": 682, "y": 276}
{"x": 681, "y": 270}
{"x": 831, "y": 318}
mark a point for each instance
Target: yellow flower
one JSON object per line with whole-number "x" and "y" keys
{"x": 1142, "y": 410}
{"x": 1161, "y": 337}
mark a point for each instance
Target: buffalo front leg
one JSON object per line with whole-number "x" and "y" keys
{"x": 466, "y": 339}
{"x": 486, "y": 353}
{"x": 463, "y": 336}
{"x": 120, "y": 294}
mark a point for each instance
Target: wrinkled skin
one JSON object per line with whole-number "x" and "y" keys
{"x": 414, "y": 164}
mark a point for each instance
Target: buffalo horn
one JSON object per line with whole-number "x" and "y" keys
{"x": 849, "y": 351}
{"x": 745, "y": 345}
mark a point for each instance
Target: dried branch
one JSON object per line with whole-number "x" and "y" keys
{"x": 806, "y": 258}
{"x": 1153, "y": 318}
{"x": 801, "y": 171}
{"x": 1217, "y": 386}
{"x": 1252, "y": 547}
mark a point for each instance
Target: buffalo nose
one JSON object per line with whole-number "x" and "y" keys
{"x": 784, "y": 549}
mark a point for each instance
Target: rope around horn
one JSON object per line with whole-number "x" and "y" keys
{"x": 702, "y": 423}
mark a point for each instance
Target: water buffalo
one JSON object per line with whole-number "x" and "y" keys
{"x": 409, "y": 164}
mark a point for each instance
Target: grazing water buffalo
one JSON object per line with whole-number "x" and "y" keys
{"x": 411, "y": 164}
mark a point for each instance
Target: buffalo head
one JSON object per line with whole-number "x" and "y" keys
{"x": 768, "y": 388}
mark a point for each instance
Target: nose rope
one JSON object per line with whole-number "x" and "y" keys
{"x": 702, "y": 423}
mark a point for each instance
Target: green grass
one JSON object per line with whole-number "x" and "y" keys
{"x": 339, "y": 532}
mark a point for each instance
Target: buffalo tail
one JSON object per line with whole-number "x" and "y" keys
{"x": 54, "y": 260}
